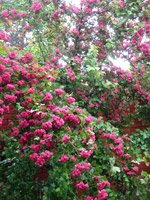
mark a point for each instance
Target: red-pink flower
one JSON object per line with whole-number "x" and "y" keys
{"x": 12, "y": 55}
{"x": 40, "y": 161}
{"x": 135, "y": 169}
{"x": 59, "y": 92}
{"x": 65, "y": 139}
{"x": 89, "y": 119}
{"x": 48, "y": 97}
{"x": 47, "y": 125}
{"x": 75, "y": 32}
{"x": 34, "y": 157}
{"x": 36, "y": 7}
{"x": 85, "y": 153}
{"x": 15, "y": 132}
{"x": 70, "y": 100}
{"x": 102, "y": 195}
{"x": 83, "y": 167}
{"x": 82, "y": 186}
{"x": 10, "y": 87}
{"x": 64, "y": 159}
{"x": 4, "y": 13}
{"x": 76, "y": 173}
{"x": 46, "y": 155}
{"x": 10, "y": 98}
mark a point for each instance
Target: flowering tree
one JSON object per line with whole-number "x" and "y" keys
{"x": 71, "y": 103}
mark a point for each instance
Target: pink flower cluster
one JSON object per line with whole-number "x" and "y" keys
{"x": 47, "y": 125}
{"x": 36, "y": 7}
{"x": 10, "y": 98}
{"x": 85, "y": 153}
{"x": 64, "y": 159}
{"x": 12, "y": 14}
{"x": 59, "y": 92}
{"x": 4, "y": 37}
{"x": 70, "y": 100}
{"x": 82, "y": 186}
{"x": 48, "y": 97}
{"x": 41, "y": 159}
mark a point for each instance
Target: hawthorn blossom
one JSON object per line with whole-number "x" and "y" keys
{"x": 64, "y": 159}
{"x": 82, "y": 186}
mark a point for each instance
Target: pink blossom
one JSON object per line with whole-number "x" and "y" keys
{"x": 125, "y": 169}
{"x": 15, "y": 132}
{"x": 102, "y": 99}
{"x": 46, "y": 155}
{"x": 13, "y": 12}
{"x": 12, "y": 55}
{"x": 83, "y": 167}
{"x": 57, "y": 51}
{"x": 48, "y": 97}
{"x": 91, "y": 105}
{"x": 23, "y": 140}
{"x": 89, "y": 119}
{"x": 1, "y": 111}
{"x": 103, "y": 184}
{"x": 31, "y": 91}
{"x": 27, "y": 27}
{"x": 20, "y": 83}
{"x": 118, "y": 140}
{"x": 72, "y": 119}
{"x": 57, "y": 121}
{"x": 40, "y": 161}
{"x": 82, "y": 186}
{"x": 102, "y": 195}
{"x": 4, "y": 37}
{"x": 39, "y": 132}
{"x": 73, "y": 158}
{"x": 85, "y": 153}
{"x": 10, "y": 98}
{"x": 121, "y": 4}
{"x": 131, "y": 173}
{"x": 127, "y": 156}
{"x": 36, "y": 7}
{"x": 2, "y": 68}
{"x": 1, "y": 121}
{"x": 65, "y": 139}
{"x": 10, "y": 87}
{"x": 6, "y": 77}
{"x": 47, "y": 125}
{"x": 54, "y": 59}
{"x": 35, "y": 148}
{"x": 75, "y": 173}
{"x": 70, "y": 100}
{"x": 147, "y": 27}
{"x": 115, "y": 91}
{"x": 34, "y": 157}
{"x": 55, "y": 15}
{"x": 4, "y": 13}
{"x": 77, "y": 60}
{"x": 25, "y": 114}
{"x": 75, "y": 32}
{"x": 135, "y": 169}
{"x": 23, "y": 124}
{"x": 64, "y": 159}
{"x": 59, "y": 92}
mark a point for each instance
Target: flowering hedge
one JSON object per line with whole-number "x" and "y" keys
{"x": 71, "y": 104}
{"x": 51, "y": 129}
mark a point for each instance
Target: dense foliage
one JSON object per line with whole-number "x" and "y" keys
{"x": 71, "y": 137}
